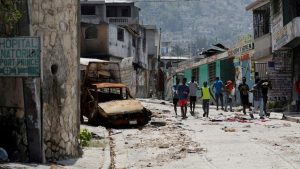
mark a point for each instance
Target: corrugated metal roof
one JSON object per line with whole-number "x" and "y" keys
{"x": 174, "y": 58}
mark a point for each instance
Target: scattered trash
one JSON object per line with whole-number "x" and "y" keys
{"x": 226, "y": 129}
{"x": 126, "y": 142}
{"x": 166, "y": 111}
{"x": 211, "y": 123}
{"x": 287, "y": 125}
{"x": 164, "y": 146}
{"x": 279, "y": 125}
{"x": 158, "y": 123}
{"x": 216, "y": 120}
{"x": 115, "y": 132}
{"x": 163, "y": 103}
{"x": 245, "y": 130}
{"x": 276, "y": 144}
{"x": 97, "y": 136}
{"x": 247, "y": 126}
{"x": 3, "y": 155}
{"x": 196, "y": 150}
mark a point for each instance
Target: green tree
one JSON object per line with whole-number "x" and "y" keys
{"x": 9, "y": 16}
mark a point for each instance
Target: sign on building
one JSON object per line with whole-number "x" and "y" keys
{"x": 20, "y": 57}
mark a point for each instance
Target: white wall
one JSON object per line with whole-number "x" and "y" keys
{"x": 122, "y": 49}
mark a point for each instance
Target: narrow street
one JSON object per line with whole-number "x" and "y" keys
{"x": 226, "y": 140}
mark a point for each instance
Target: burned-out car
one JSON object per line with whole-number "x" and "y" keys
{"x": 106, "y": 101}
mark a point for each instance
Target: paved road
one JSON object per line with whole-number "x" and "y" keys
{"x": 200, "y": 143}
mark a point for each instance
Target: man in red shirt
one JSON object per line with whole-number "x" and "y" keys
{"x": 297, "y": 87}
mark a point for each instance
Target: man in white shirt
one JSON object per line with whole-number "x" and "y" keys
{"x": 193, "y": 95}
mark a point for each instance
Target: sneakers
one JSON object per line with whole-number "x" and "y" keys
{"x": 252, "y": 116}
{"x": 262, "y": 118}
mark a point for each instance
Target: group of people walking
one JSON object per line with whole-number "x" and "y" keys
{"x": 182, "y": 93}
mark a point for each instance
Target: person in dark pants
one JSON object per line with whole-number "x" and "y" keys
{"x": 206, "y": 94}
{"x": 265, "y": 86}
{"x": 175, "y": 95}
{"x": 193, "y": 95}
{"x": 244, "y": 93}
{"x": 218, "y": 88}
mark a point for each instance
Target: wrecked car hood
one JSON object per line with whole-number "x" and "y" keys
{"x": 121, "y": 107}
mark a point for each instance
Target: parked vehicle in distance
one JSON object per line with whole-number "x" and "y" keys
{"x": 106, "y": 101}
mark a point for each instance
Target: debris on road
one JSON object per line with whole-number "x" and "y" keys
{"x": 164, "y": 146}
{"x": 226, "y": 129}
{"x": 158, "y": 123}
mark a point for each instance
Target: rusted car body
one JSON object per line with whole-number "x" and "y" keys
{"x": 106, "y": 101}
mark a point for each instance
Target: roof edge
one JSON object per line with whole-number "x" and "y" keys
{"x": 256, "y": 4}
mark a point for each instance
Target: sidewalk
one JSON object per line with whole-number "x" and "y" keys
{"x": 93, "y": 157}
{"x": 293, "y": 117}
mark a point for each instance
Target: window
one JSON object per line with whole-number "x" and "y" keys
{"x": 118, "y": 11}
{"x": 195, "y": 73}
{"x": 261, "y": 21}
{"x": 125, "y": 11}
{"x": 290, "y": 10}
{"x": 91, "y": 33}
{"x": 111, "y": 11}
{"x": 212, "y": 72}
{"x": 88, "y": 10}
{"x": 133, "y": 42}
{"x": 120, "y": 34}
{"x": 276, "y": 6}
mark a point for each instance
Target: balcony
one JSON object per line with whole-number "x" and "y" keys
{"x": 287, "y": 36}
{"x": 122, "y": 20}
{"x": 262, "y": 46}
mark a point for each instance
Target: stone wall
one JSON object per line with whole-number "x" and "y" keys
{"x": 128, "y": 75}
{"x": 56, "y": 22}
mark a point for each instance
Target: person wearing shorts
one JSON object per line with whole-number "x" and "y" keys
{"x": 183, "y": 94}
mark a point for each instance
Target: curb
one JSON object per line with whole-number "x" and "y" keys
{"x": 291, "y": 119}
{"x": 107, "y": 156}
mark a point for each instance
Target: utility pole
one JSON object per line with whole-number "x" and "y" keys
{"x": 160, "y": 81}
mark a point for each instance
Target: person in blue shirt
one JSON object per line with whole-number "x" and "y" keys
{"x": 183, "y": 94}
{"x": 218, "y": 89}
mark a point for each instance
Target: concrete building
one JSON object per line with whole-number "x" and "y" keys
{"x": 119, "y": 12}
{"x": 39, "y": 116}
{"x": 110, "y": 30}
{"x": 285, "y": 26}
{"x": 262, "y": 36}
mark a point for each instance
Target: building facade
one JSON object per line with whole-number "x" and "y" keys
{"x": 40, "y": 115}
{"x": 110, "y": 30}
